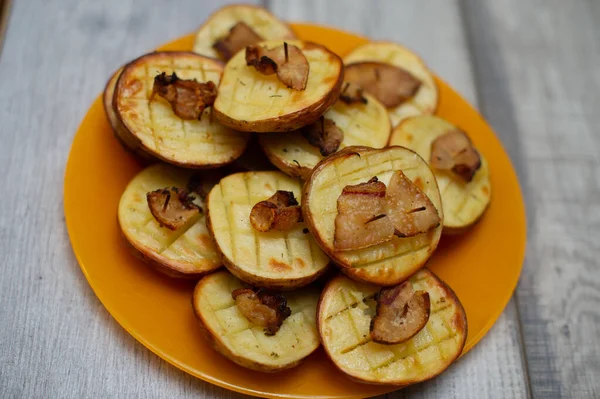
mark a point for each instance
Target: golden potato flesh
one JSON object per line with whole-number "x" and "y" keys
{"x": 253, "y": 102}
{"x": 275, "y": 259}
{"x": 245, "y": 343}
{"x": 185, "y": 252}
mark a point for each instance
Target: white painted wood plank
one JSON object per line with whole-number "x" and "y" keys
{"x": 56, "y": 339}
{"x": 434, "y": 29}
{"x": 536, "y": 64}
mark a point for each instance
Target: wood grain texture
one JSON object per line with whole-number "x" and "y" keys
{"x": 531, "y": 67}
{"x": 495, "y": 365}
{"x": 538, "y": 81}
{"x": 56, "y": 338}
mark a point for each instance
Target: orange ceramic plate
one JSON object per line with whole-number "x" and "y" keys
{"x": 482, "y": 266}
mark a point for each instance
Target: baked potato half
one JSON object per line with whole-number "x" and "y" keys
{"x": 387, "y": 263}
{"x": 244, "y": 342}
{"x": 281, "y": 260}
{"x": 218, "y": 26}
{"x": 464, "y": 202}
{"x": 252, "y": 102}
{"x": 344, "y": 316}
{"x": 187, "y": 252}
{"x": 366, "y": 124}
{"x": 425, "y": 99}
{"x": 151, "y": 123}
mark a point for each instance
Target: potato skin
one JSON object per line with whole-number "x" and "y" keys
{"x": 160, "y": 263}
{"x": 129, "y": 138}
{"x": 213, "y": 338}
{"x": 295, "y": 120}
{"x": 280, "y": 284}
{"x": 128, "y": 142}
{"x": 461, "y": 322}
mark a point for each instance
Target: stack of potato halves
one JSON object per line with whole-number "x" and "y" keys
{"x": 368, "y": 180}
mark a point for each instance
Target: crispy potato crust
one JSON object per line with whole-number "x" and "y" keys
{"x": 422, "y": 357}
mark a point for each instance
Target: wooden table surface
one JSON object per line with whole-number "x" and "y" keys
{"x": 531, "y": 67}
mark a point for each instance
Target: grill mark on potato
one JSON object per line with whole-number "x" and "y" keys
{"x": 254, "y": 235}
{"x": 300, "y": 262}
{"x": 394, "y": 257}
{"x": 279, "y": 266}
{"x": 229, "y": 235}
{"x": 285, "y": 233}
{"x": 133, "y": 87}
{"x": 204, "y": 239}
{"x": 349, "y": 307}
{"x": 152, "y": 121}
{"x": 413, "y": 353}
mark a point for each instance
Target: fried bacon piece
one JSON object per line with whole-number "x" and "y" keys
{"x": 400, "y": 314}
{"x": 239, "y": 37}
{"x": 410, "y": 210}
{"x": 352, "y": 93}
{"x": 361, "y": 221}
{"x": 388, "y": 83}
{"x": 287, "y": 61}
{"x": 371, "y": 213}
{"x": 263, "y": 308}
{"x": 172, "y": 207}
{"x": 454, "y": 151}
{"x": 188, "y": 98}
{"x": 323, "y": 134}
{"x": 280, "y": 212}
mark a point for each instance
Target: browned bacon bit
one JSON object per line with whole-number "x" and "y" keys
{"x": 280, "y": 212}
{"x": 409, "y": 208}
{"x": 287, "y": 61}
{"x": 188, "y": 98}
{"x": 454, "y": 151}
{"x": 172, "y": 207}
{"x": 352, "y": 93}
{"x": 371, "y": 213}
{"x": 361, "y": 221}
{"x": 239, "y": 37}
{"x": 323, "y": 134}
{"x": 400, "y": 314}
{"x": 388, "y": 83}
{"x": 261, "y": 307}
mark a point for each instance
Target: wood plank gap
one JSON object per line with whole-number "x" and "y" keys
{"x": 469, "y": 33}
